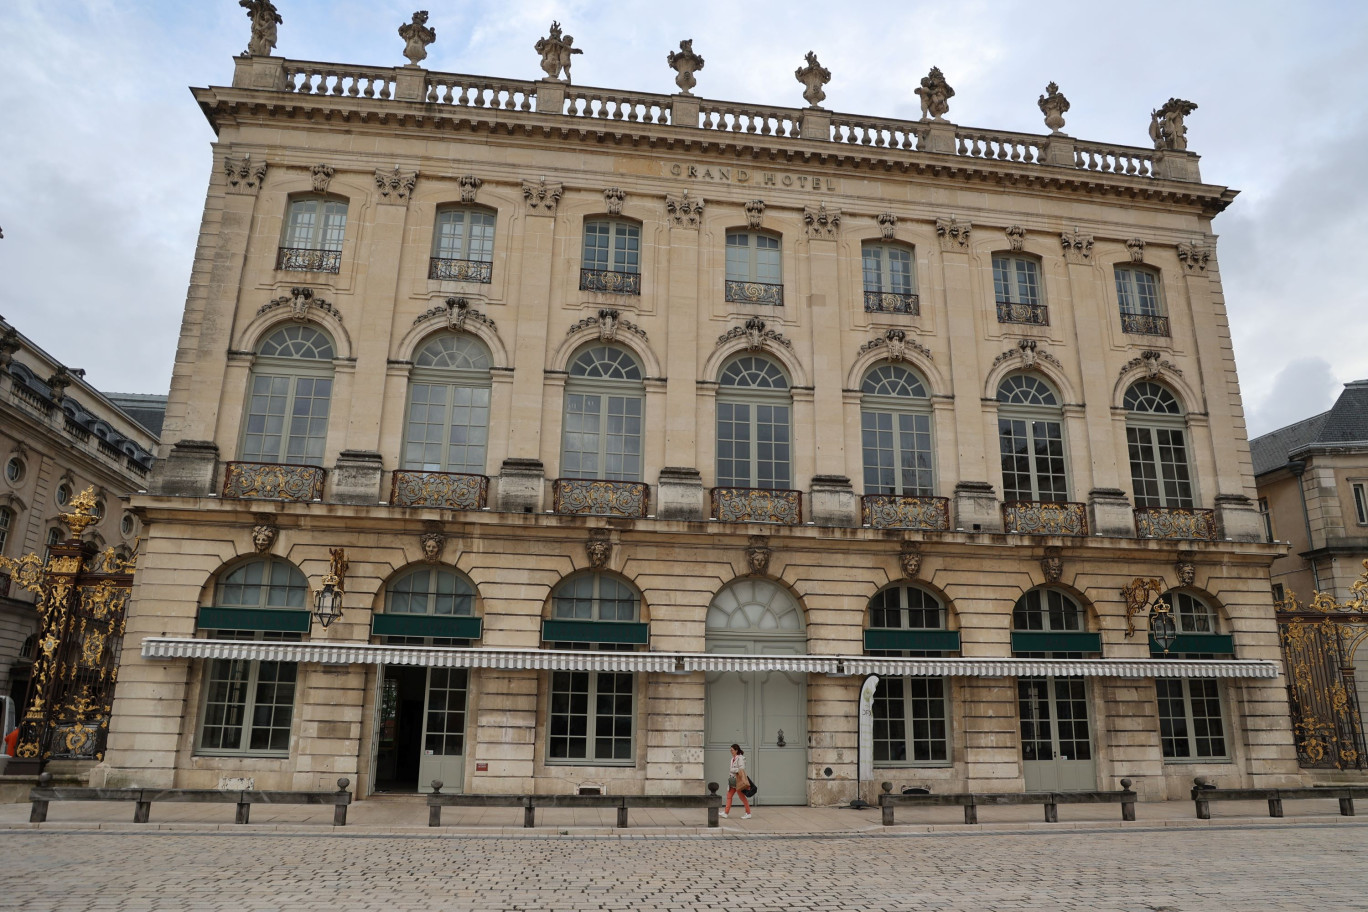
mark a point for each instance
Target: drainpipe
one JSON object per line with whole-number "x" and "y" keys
{"x": 1298, "y": 467}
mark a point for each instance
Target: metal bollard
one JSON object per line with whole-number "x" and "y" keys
{"x": 244, "y": 812}
{"x": 1051, "y": 811}
{"x": 622, "y": 816}
{"x": 529, "y": 815}
{"x": 435, "y": 810}
{"x": 971, "y": 811}
{"x": 1275, "y": 808}
{"x": 38, "y": 813}
{"x": 1127, "y": 801}
{"x": 142, "y": 810}
{"x": 340, "y": 810}
{"x": 1346, "y": 807}
{"x": 886, "y": 807}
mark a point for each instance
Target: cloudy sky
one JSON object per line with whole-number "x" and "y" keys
{"x": 108, "y": 155}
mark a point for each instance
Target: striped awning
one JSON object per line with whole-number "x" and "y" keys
{"x": 681, "y": 662}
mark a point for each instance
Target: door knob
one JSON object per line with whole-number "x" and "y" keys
{"x": 780, "y": 742}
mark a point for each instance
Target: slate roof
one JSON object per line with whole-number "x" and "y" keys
{"x": 1345, "y": 423}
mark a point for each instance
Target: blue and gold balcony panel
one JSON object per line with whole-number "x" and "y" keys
{"x": 1036, "y": 517}
{"x": 306, "y": 259}
{"x": 273, "y": 481}
{"x": 450, "y": 270}
{"x": 916, "y": 640}
{"x": 903, "y": 511}
{"x": 426, "y": 625}
{"x": 1188, "y": 645}
{"x": 270, "y": 620}
{"x": 1036, "y": 641}
{"x": 758, "y": 505}
{"x": 623, "y": 633}
{"x": 593, "y": 497}
{"x": 1142, "y": 324}
{"x": 610, "y": 282}
{"x": 755, "y": 293}
{"x": 448, "y": 490}
{"x": 1030, "y": 314}
{"x": 1175, "y": 524}
{"x": 891, "y": 302}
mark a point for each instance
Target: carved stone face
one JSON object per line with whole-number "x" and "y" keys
{"x": 911, "y": 562}
{"x": 758, "y": 554}
{"x": 1053, "y": 568}
{"x": 598, "y": 549}
{"x": 263, "y": 536}
{"x": 1187, "y": 573}
{"x": 432, "y": 546}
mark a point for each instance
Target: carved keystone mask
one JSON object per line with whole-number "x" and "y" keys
{"x": 910, "y": 559}
{"x": 599, "y": 548}
{"x": 758, "y": 554}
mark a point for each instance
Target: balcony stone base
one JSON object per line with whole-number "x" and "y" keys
{"x": 520, "y": 486}
{"x": 679, "y": 495}
{"x": 189, "y": 471}
{"x": 356, "y": 478}
{"x": 1238, "y": 519}
{"x": 833, "y": 501}
{"x": 976, "y": 507}
{"x": 1110, "y": 513}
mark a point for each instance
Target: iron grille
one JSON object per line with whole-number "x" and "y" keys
{"x": 755, "y": 293}
{"x": 1033, "y": 314}
{"x": 610, "y": 282}
{"x": 891, "y": 302}
{"x": 1144, "y": 324}
{"x": 460, "y": 270}
{"x": 306, "y": 259}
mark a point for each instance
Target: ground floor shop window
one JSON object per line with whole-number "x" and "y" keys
{"x": 248, "y": 707}
{"x": 591, "y": 716}
{"x": 1190, "y": 721}
{"x": 909, "y": 721}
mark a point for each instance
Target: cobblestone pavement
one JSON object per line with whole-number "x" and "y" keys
{"x": 1137, "y": 870}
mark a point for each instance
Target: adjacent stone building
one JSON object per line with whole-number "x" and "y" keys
{"x": 58, "y": 436}
{"x": 628, "y": 426}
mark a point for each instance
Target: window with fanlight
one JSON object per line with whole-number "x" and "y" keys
{"x": 605, "y": 401}
{"x": 754, "y": 407}
{"x": 447, "y": 426}
{"x": 911, "y": 725}
{"x": 1031, "y": 440}
{"x": 289, "y": 395}
{"x": 895, "y": 432}
{"x": 1191, "y": 714}
{"x": 1156, "y": 442}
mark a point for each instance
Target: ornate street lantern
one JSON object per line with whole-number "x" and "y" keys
{"x": 328, "y": 600}
{"x": 1163, "y": 628}
{"x": 1142, "y": 594}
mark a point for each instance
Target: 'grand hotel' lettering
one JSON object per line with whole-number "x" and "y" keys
{"x": 745, "y": 176}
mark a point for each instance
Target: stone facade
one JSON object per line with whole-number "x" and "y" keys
{"x": 938, "y": 195}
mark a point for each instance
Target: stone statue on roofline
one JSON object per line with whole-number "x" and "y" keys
{"x": 685, "y": 63}
{"x": 556, "y": 50}
{"x": 813, "y": 77}
{"x": 1167, "y": 128}
{"x": 1053, "y": 105}
{"x": 935, "y": 94}
{"x": 264, "y": 18}
{"x": 417, "y": 36}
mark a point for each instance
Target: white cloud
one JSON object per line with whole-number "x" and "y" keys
{"x": 1305, "y": 387}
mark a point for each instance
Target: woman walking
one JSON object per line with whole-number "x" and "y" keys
{"x": 737, "y": 782}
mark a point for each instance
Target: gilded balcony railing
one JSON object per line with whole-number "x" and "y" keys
{"x": 771, "y": 505}
{"x": 1144, "y": 324}
{"x": 273, "y": 481}
{"x": 610, "y": 282}
{"x": 306, "y": 259}
{"x": 754, "y": 293}
{"x": 450, "y": 490}
{"x": 1012, "y": 312}
{"x": 1035, "y": 517}
{"x": 891, "y": 302}
{"x": 460, "y": 270}
{"x": 899, "y": 511}
{"x": 592, "y": 497}
{"x": 1175, "y": 524}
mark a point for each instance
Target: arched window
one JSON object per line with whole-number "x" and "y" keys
{"x": 1157, "y": 444}
{"x": 315, "y": 227}
{"x": 431, "y": 591}
{"x": 895, "y": 428}
{"x": 1017, "y": 288}
{"x": 592, "y": 714}
{"x": 1141, "y": 302}
{"x": 612, "y": 256}
{"x": 604, "y": 404}
{"x": 1056, "y": 739}
{"x": 1031, "y": 440}
{"x": 754, "y": 268}
{"x": 754, "y": 449}
{"x": 890, "y": 278}
{"x": 248, "y": 705}
{"x": 462, "y": 244}
{"x": 1191, "y": 718}
{"x": 911, "y": 725}
{"x": 289, "y": 394}
{"x": 447, "y": 428}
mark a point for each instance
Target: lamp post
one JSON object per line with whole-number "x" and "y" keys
{"x": 328, "y": 600}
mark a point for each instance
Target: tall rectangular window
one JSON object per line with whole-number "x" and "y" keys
{"x": 602, "y": 437}
{"x": 448, "y": 428}
{"x": 1159, "y": 467}
{"x": 897, "y": 453}
{"x": 1361, "y": 502}
{"x": 591, "y": 716}
{"x": 613, "y": 246}
{"x": 1267, "y": 518}
{"x": 6, "y": 520}
{"x": 248, "y": 707}
{"x": 314, "y": 231}
{"x": 909, "y": 721}
{"x": 287, "y": 419}
{"x": 1016, "y": 280}
{"x": 1032, "y": 454}
{"x": 753, "y": 447}
{"x": 754, "y": 268}
{"x": 1137, "y": 290}
{"x": 1190, "y": 722}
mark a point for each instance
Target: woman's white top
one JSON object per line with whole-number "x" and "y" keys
{"x": 738, "y": 763}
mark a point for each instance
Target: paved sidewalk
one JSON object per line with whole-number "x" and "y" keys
{"x": 407, "y": 815}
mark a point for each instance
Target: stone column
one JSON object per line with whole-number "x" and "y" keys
{"x": 828, "y": 376}
{"x": 684, "y": 324}
{"x": 975, "y": 501}
{"x": 1103, "y": 468}
{"x": 533, "y": 294}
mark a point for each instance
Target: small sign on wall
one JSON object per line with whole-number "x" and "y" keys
{"x": 482, "y": 767}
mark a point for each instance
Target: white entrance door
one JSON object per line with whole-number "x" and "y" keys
{"x": 444, "y": 726}
{"x": 763, "y": 711}
{"x": 1056, "y": 737}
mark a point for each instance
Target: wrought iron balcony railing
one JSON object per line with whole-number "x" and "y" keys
{"x": 449, "y": 490}
{"x": 891, "y": 302}
{"x": 273, "y": 481}
{"x": 1035, "y": 517}
{"x": 460, "y": 270}
{"x": 1144, "y": 324}
{"x": 1033, "y": 314}
{"x": 307, "y": 259}
{"x": 610, "y": 282}
{"x": 768, "y": 505}
{"x": 902, "y": 511}
{"x": 593, "y": 497}
{"x": 1175, "y": 524}
{"x": 755, "y": 293}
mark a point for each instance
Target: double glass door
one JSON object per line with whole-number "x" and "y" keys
{"x": 421, "y": 730}
{"x": 1056, "y": 735}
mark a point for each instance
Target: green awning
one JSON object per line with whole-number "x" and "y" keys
{"x": 1055, "y": 641}
{"x": 426, "y": 625}
{"x": 624, "y": 632}
{"x": 920, "y": 640}
{"x": 274, "y": 620}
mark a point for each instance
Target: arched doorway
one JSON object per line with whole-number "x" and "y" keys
{"x": 763, "y": 711}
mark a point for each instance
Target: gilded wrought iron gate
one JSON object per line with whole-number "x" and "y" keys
{"x": 1327, "y": 721}
{"x": 82, "y": 601}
